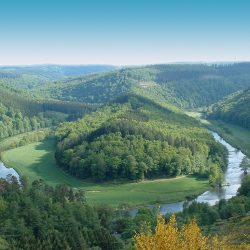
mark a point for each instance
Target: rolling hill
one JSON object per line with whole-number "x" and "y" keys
{"x": 186, "y": 86}
{"x": 135, "y": 138}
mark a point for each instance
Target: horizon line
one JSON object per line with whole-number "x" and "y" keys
{"x": 125, "y": 65}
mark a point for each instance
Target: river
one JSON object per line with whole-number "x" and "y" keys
{"x": 233, "y": 178}
{"x": 4, "y": 171}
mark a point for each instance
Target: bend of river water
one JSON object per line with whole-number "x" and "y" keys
{"x": 233, "y": 178}
{"x": 4, "y": 171}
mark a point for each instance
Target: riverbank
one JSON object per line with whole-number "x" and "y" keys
{"x": 235, "y": 135}
{"x": 36, "y": 161}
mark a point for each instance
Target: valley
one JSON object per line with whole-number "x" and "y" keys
{"x": 125, "y": 125}
{"x": 130, "y": 138}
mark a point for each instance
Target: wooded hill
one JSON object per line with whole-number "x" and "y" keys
{"x": 233, "y": 109}
{"x": 186, "y": 86}
{"x": 136, "y": 138}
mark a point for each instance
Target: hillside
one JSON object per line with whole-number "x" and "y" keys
{"x": 32, "y": 106}
{"x": 234, "y": 109}
{"x": 19, "y": 114}
{"x": 186, "y": 86}
{"x": 135, "y": 138}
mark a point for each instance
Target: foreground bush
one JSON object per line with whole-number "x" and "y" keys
{"x": 189, "y": 237}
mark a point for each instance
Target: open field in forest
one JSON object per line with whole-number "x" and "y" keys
{"x": 36, "y": 161}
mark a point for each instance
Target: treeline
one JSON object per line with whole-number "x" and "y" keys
{"x": 234, "y": 109}
{"x": 186, "y": 86}
{"x": 137, "y": 139}
{"x": 43, "y": 217}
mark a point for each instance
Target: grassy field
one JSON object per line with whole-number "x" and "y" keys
{"x": 37, "y": 161}
{"x": 237, "y": 136}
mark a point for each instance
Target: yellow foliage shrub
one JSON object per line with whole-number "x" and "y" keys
{"x": 189, "y": 237}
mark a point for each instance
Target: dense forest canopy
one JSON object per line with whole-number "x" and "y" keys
{"x": 186, "y": 86}
{"x": 233, "y": 109}
{"x": 137, "y": 139}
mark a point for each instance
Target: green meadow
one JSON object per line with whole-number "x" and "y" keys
{"x": 36, "y": 161}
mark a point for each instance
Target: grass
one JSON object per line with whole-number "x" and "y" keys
{"x": 36, "y": 161}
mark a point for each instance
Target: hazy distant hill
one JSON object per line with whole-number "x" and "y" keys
{"x": 28, "y": 77}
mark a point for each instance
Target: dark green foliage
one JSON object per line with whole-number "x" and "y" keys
{"x": 234, "y": 109}
{"x": 43, "y": 217}
{"x": 136, "y": 138}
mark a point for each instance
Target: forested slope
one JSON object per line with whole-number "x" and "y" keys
{"x": 233, "y": 109}
{"x": 186, "y": 86}
{"x": 19, "y": 114}
{"x": 135, "y": 138}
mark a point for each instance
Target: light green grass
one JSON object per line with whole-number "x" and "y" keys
{"x": 36, "y": 161}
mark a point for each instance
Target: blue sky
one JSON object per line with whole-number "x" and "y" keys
{"x": 123, "y": 32}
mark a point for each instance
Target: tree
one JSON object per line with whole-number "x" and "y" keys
{"x": 216, "y": 176}
{"x": 245, "y": 186}
{"x": 245, "y": 164}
